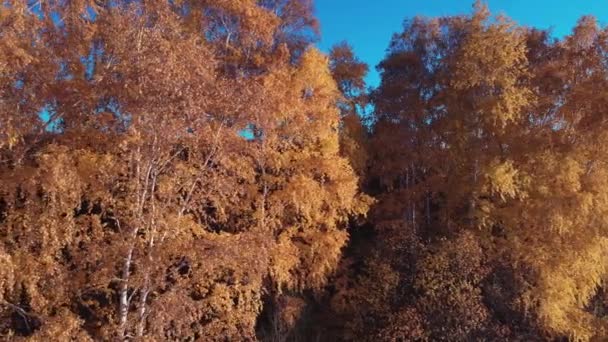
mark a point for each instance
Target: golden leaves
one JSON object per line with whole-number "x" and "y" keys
{"x": 484, "y": 124}
{"x": 493, "y": 57}
{"x": 502, "y": 178}
{"x": 285, "y": 259}
{"x": 11, "y": 137}
{"x": 7, "y": 275}
{"x": 145, "y": 191}
{"x": 566, "y": 287}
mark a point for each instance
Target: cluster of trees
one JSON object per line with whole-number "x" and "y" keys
{"x": 196, "y": 170}
{"x": 169, "y": 169}
{"x": 487, "y": 159}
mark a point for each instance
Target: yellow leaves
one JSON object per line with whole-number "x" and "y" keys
{"x": 567, "y": 285}
{"x": 315, "y": 187}
{"x": 493, "y": 57}
{"x": 7, "y": 275}
{"x": 568, "y": 176}
{"x": 556, "y": 194}
{"x": 299, "y": 188}
{"x": 502, "y": 177}
{"x": 284, "y": 260}
{"x": 362, "y": 203}
{"x": 329, "y": 146}
{"x": 10, "y": 135}
{"x": 567, "y": 251}
{"x": 509, "y": 104}
{"x": 321, "y": 255}
{"x": 313, "y": 75}
{"x": 12, "y": 138}
{"x": 304, "y": 257}
{"x": 202, "y": 215}
{"x": 221, "y": 300}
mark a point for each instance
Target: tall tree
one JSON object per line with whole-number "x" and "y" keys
{"x": 130, "y": 193}
{"x": 349, "y": 73}
{"x": 486, "y": 127}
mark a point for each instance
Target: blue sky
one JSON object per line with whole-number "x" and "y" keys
{"x": 368, "y": 25}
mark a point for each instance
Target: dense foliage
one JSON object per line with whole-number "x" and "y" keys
{"x": 196, "y": 170}
{"x": 168, "y": 169}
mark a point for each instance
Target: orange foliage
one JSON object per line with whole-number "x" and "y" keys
{"x": 196, "y": 170}
{"x": 133, "y": 197}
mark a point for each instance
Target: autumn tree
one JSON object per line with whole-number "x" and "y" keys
{"x": 349, "y": 73}
{"x": 196, "y": 170}
{"x": 488, "y": 130}
{"x": 131, "y": 195}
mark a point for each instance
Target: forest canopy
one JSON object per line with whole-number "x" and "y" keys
{"x": 197, "y": 170}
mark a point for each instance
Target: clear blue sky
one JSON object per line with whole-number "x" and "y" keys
{"x": 369, "y": 24}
